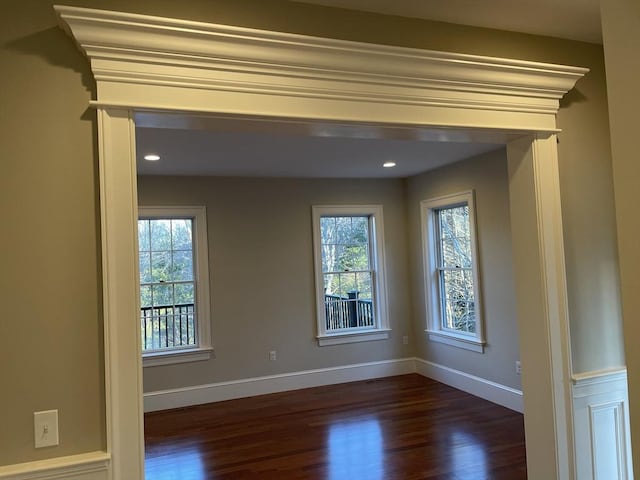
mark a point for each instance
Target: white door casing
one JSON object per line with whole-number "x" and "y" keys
{"x": 151, "y": 64}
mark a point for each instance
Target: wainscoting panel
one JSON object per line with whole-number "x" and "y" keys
{"x": 601, "y": 424}
{"x": 85, "y": 466}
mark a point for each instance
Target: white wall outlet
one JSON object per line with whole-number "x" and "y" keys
{"x": 272, "y": 355}
{"x": 518, "y": 368}
{"x": 405, "y": 340}
{"x": 45, "y": 428}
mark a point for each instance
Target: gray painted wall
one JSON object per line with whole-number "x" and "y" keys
{"x": 261, "y": 271}
{"x": 487, "y": 176}
{"x": 262, "y": 279}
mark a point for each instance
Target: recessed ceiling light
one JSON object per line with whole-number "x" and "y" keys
{"x": 152, "y": 157}
{"x": 389, "y": 164}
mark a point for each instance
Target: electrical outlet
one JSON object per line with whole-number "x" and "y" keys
{"x": 45, "y": 428}
{"x": 272, "y": 355}
{"x": 518, "y": 368}
{"x": 405, "y": 340}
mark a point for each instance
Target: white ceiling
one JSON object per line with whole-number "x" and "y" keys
{"x": 231, "y": 152}
{"x": 570, "y": 19}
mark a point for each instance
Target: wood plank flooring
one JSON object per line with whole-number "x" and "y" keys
{"x": 405, "y": 428}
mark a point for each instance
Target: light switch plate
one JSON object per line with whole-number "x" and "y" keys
{"x": 45, "y": 428}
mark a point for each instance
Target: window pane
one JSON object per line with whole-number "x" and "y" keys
{"x": 363, "y": 285}
{"x": 456, "y": 252}
{"x": 360, "y": 230}
{"x": 145, "y": 296}
{"x": 364, "y": 302}
{"x": 331, "y": 284}
{"x": 454, "y": 221}
{"x": 160, "y": 235}
{"x": 328, "y": 232}
{"x": 347, "y": 285}
{"x": 184, "y": 294}
{"x": 160, "y": 267}
{"x": 328, "y": 257}
{"x": 355, "y": 257}
{"x": 455, "y": 237}
{"x": 343, "y": 229}
{"x": 182, "y": 266}
{"x": 145, "y": 267}
{"x": 182, "y": 236}
{"x": 162, "y": 295}
{"x": 143, "y": 235}
{"x": 335, "y": 258}
{"x": 458, "y": 301}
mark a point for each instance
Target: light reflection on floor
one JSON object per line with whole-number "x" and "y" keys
{"x": 356, "y": 450}
{"x": 468, "y": 457}
{"x": 183, "y": 463}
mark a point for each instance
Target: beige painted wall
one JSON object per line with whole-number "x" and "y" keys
{"x": 261, "y": 274}
{"x": 51, "y": 274}
{"x": 51, "y": 355}
{"x": 487, "y": 176}
{"x": 621, "y": 30}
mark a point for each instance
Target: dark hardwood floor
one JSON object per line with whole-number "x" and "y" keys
{"x": 406, "y": 427}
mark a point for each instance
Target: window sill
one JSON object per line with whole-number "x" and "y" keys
{"x": 473, "y": 344}
{"x": 156, "y": 359}
{"x": 353, "y": 337}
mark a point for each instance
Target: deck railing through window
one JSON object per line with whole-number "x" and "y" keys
{"x": 167, "y": 326}
{"x": 347, "y": 312}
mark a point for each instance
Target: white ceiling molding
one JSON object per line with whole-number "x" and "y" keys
{"x": 196, "y": 63}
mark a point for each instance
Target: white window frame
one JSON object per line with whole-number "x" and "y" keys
{"x": 381, "y": 329}
{"x": 435, "y": 330}
{"x": 203, "y": 348}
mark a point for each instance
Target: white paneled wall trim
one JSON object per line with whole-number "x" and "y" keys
{"x": 216, "y": 392}
{"x": 85, "y": 466}
{"x": 601, "y": 423}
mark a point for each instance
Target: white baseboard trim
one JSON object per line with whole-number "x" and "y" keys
{"x": 480, "y": 387}
{"x": 248, "y": 387}
{"x": 601, "y": 425}
{"x": 85, "y": 466}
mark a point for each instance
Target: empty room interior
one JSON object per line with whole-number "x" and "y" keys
{"x": 269, "y": 330}
{"x": 380, "y": 240}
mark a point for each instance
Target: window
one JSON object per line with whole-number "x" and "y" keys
{"x": 451, "y": 271}
{"x": 350, "y": 280}
{"x": 174, "y": 285}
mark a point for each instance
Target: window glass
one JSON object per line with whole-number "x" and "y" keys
{"x": 167, "y": 283}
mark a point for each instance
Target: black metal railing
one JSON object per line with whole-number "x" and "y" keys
{"x": 167, "y": 326}
{"x": 347, "y": 312}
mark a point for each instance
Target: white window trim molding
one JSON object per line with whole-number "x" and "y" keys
{"x": 201, "y": 265}
{"x": 377, "y": 253}
{"x": 433, "y": 308}
{"x": 221, "y": 70}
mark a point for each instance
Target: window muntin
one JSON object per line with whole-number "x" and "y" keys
{"x": 451, "y": 272}
{"x": 350, "y": 280}
{"x": 174, "y": 284}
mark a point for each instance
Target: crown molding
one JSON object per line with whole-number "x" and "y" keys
{"x": 193, "y": 56}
